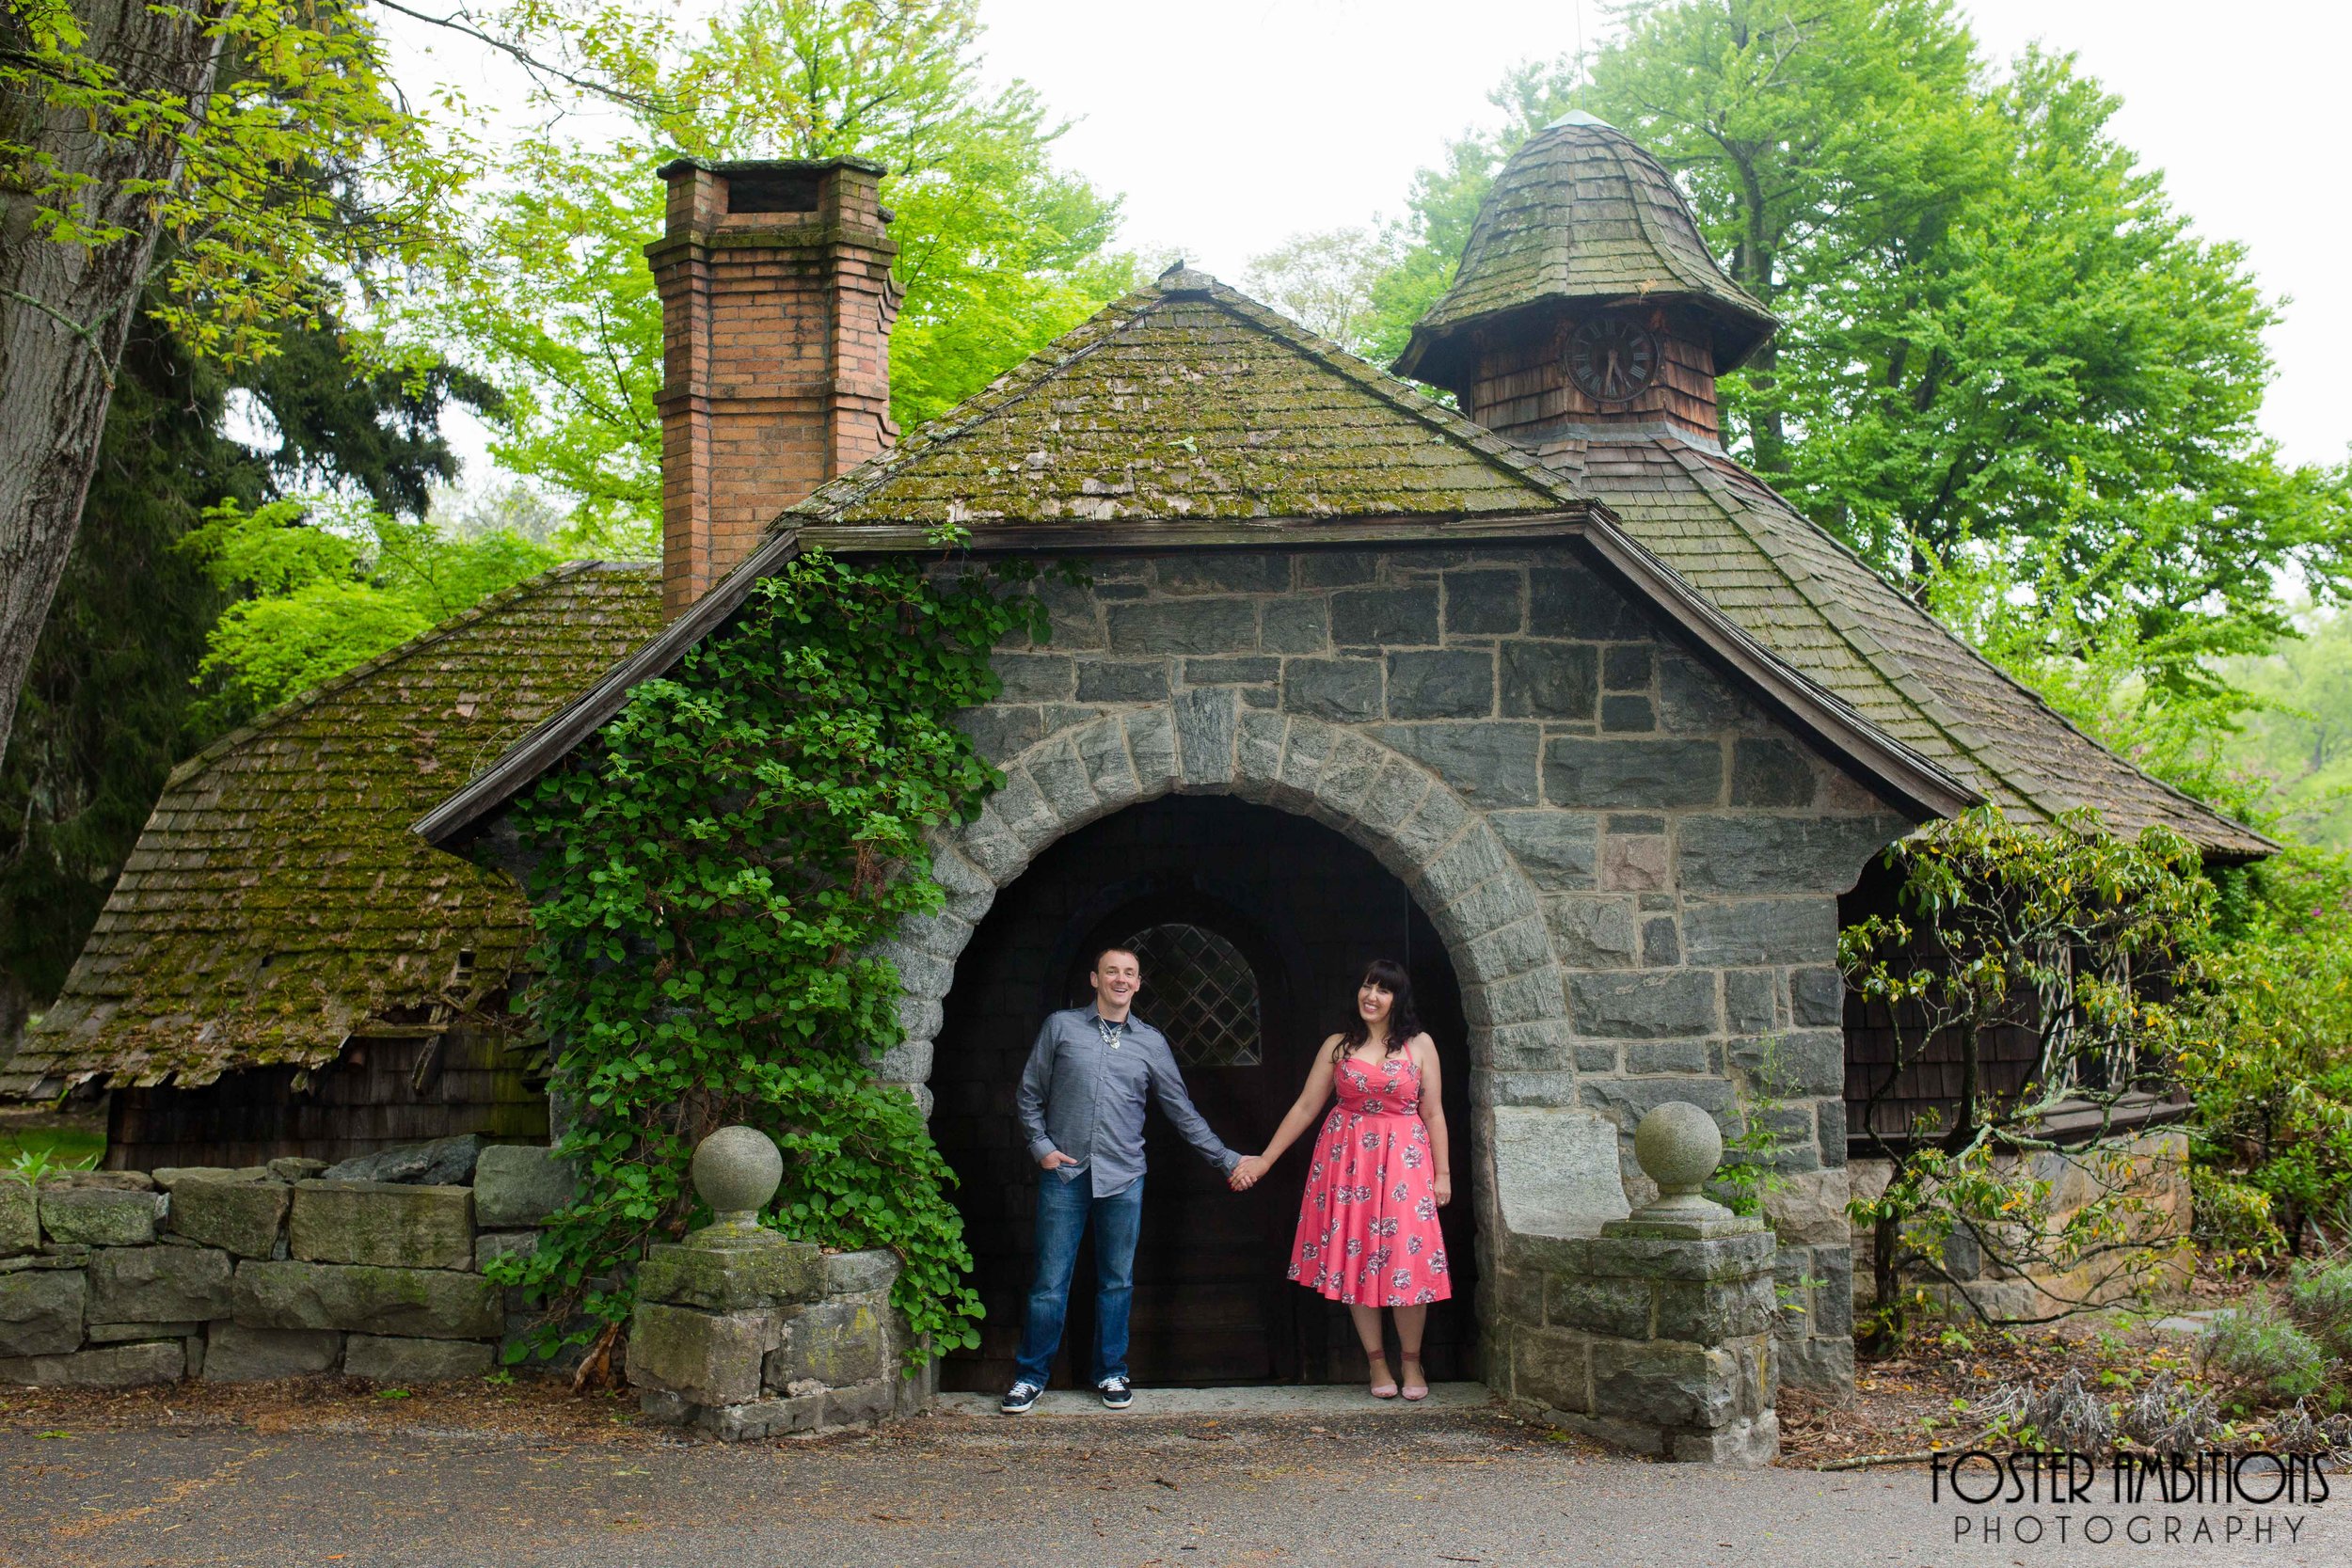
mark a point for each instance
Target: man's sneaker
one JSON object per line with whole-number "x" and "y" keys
{"x": 1117, "y": 1392}
{"x": 1019, "y": 1398}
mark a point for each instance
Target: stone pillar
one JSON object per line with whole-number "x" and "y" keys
{"x": 1657, "y": 1333}
{"x": 744, "y": 1333}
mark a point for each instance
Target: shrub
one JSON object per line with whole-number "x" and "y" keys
{"x": 2263, "y": 1357}
{"x": 2235, "y": 1223}
{"x": 2320, "y": 1299}
{"x": 2270, "y": 1058}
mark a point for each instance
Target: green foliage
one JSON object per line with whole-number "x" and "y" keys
{"x": 301, "y": 92}
{"x": 2001, "y": 343}
{"x": 2298, "y": 740}
{"x": 329, "y": 585}
{"x": 714, "y": 877}
{"x": 2235, "y": 1224}
{"x": 2320, "y": 1297}
{"x": 1325, "y": 282}
{"x": 2057, "y": 933}
{"x": 2159, "y": 699}
{"x": 2263, "y": 1356}
{"x": 999, "y": 252}
{"x": 1751, "y": 1161}
{"x": 2270, "y": 1062}
{"x": 107, "y": 707}
{"x": 33, "y": 1152}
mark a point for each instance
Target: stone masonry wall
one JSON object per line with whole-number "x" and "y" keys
{"x": 1635, "y": 867}
{"x": 114, "y": 1278}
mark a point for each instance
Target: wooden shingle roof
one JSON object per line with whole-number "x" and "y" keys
{"x": 1821, "y": 607}
{"x": 1189, "y": 401}
{"x": 1580, "y": 213}
{"x": 276, "y": 899}
{"x": 1188, "y": 417}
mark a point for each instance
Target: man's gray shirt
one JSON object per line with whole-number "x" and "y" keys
{"x": 1086, "y": 1097}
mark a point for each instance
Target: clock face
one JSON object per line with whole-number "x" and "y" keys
{"x": 1611, "y": 359}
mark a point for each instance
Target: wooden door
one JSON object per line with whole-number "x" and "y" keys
{"x": 1210, "y": 1306}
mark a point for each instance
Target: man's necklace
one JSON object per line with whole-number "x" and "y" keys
{"x": 1110, "y": 1032}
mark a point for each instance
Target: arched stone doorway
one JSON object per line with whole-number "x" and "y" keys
{"x": 1255, "y": 922}
{"x": 1563, "y": 1159}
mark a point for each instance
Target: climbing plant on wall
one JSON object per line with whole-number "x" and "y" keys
{"x": 712, "y": 878}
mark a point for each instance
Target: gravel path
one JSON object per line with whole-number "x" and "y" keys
{"x": 1450, "y": 1487}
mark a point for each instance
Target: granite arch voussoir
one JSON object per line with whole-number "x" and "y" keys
{"x": 1442, "y": 850}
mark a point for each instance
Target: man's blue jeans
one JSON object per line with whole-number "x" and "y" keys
{"x": 1062, "y": 1209}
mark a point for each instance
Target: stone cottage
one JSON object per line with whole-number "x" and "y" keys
{"x": 1544, "y": 695}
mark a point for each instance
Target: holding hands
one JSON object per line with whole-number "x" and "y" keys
{"x": 1245, "y": 1176}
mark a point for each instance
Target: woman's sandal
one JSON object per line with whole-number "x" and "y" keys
{"x": 1413, "y": 1389}
{"x": 1385, "y": 1389}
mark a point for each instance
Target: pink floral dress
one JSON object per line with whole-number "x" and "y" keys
{"x": 1368, "y": 1225}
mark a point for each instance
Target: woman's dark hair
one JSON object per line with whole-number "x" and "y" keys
{"x": 1404, "y": 1023}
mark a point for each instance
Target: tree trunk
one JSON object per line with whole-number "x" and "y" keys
{"x": 65, "y": 311}
{"x": 1886, "y": 1285}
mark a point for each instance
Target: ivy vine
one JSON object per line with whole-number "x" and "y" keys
{"x": 712, "y": 878}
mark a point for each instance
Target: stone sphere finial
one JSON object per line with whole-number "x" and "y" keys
{"x": 737, "y": 1170}
{"x": 1679, "y": 1146}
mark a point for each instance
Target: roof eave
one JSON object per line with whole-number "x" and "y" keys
{"x": 545, "y": 744}
{"x": 1915, "y": 781}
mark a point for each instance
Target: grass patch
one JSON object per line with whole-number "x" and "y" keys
{"x": 66, "y": 1147}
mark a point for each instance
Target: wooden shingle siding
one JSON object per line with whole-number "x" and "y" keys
{"x": 366, "y": 1101}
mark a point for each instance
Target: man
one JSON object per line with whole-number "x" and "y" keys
{"x": 1081, "y": 1102}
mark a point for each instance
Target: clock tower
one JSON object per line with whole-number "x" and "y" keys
{"x": 1587, "y": 306}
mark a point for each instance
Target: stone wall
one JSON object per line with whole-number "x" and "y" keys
{"x": 113, "y": 1278}
{"x": 2152, "y": 1248}
{"x": 1635, "y": 867}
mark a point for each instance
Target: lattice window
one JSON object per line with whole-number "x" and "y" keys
{"x": 1201, "y": 993}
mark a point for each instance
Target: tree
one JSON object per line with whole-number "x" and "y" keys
{"x": 109, "y": 701}
{"x": 328, "y": 586}
{"x": 2000, "y": 343}
{"x": 2065, "y": 937}
{"x": 999, "y": 252}
{"x": 2271, "y": 1064}
{"x": 1325, "y": 281}
{"x": 262, "y": 131}
{"x": 2299, "y": 742}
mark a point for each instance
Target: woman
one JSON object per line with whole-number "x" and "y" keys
{"x": 1368, "y": 1224}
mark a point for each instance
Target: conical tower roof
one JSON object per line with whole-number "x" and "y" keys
{"x": 1581, "y": 212}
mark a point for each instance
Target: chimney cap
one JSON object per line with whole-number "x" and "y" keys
{"x": 767, "y": 166}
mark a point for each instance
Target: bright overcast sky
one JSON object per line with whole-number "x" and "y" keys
{"x": 1230, "y": 125}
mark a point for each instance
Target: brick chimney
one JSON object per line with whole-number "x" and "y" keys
{"x": 777, "y": 308}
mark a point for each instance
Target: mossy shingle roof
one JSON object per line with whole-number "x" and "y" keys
{"x": 1822, "y": 610}
{"x": 276, "y": 900}
{"x": 1580, "y": 213}
{"x": 1188, "y": 401}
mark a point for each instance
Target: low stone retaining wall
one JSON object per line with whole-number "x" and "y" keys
{"x": 115, "y": 1279}
{"x": 2152, "y": 1166}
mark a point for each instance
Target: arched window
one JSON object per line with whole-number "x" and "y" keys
{"x": 1201, "y": 993}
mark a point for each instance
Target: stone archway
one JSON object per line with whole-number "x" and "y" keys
{"x": 1203, "y": 742}
{"x": 1548, "y": 1163}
